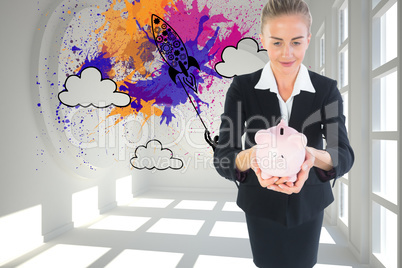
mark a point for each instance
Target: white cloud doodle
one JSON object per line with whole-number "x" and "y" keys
{"x": 90, "y": 89}
{"x": 243, "y": 59}
{"x": 154, "y": 156}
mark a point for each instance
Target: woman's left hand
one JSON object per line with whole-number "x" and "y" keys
{"x": 283, "y": 186}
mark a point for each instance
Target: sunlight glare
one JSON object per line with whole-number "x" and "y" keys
{"x": 145, "y": 259}
{"x": 120, "y": 223}
{"x": 325, "y": 237}
{"x": 85, "y": 206}
{"x": 151, "y": 202}
{"x": 205, "y": 261}
{"x": 231, "y": 206}
{"x": 319, "y": 265}
{"x": 230, "y": 229}
{"x": 20, "y": 232}
{"x": 67, "y": 256}
{"x": 176, "y": 226}
{"x": 196, "y": 205}
{"x": 124, "y": 190}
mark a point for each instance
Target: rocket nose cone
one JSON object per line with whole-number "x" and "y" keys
{"x": 155, "y": 19}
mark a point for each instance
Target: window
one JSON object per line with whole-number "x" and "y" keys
{"x": 343, "y": 23}
{"x": 345, "y": 98}
{"x": 343, "y": 84}
{"x": 320, "y": 56}
{"x": 360, "y": 48}
{"x": 385, "y": 227}
{"x": 343, "y": 203}
{"x": 385, "y": 103}
{"x": 385, "y": 33}
{"x": 322, "y": 50}
{"x": 385, "y": 166}
{"x": 385, "y": 235}
{"x": 344, "y": 68}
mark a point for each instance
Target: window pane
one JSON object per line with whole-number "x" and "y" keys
{"x": 385, "y": 103}
{"x": 322, "y": 51}
{"x": 389, "y": 34}
{"x": 385, "y": 235}
{"x": 385, "y": 37}
{"x": 343, "y": 68}
{"x": 343, "y": 24}
{"x": 385, "y": 169}
{"x": 343, "y": 203}
{"x": 345, "y": 97}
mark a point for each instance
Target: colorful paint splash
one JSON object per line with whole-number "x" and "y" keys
{"x": 115, "y": 36}
{"x": 126, "y": 52}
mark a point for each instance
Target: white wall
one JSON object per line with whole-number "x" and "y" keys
{"x": 33, "y": 172}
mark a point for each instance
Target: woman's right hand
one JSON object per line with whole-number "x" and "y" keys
{"x": 254, "y": 166}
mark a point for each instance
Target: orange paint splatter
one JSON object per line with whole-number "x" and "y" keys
{"x": 122, "y": 38}
{"x": 143, "y": 11}
{"x": 124, "y": 41}
{"x": 148, "y": 110}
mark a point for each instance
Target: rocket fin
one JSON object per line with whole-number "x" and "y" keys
{"x": 193, "y": 62}
{"x": 173, "y": 73}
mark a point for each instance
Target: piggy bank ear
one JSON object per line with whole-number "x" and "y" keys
{"x": 263, "y": 137}
{"x": 298, "y": 139}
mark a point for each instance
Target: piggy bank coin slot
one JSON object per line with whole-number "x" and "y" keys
{"x": 281, "y": 131}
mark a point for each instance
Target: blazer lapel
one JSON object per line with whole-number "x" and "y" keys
{"x": 268, "y": 105}
{"x": 301, "y": 109}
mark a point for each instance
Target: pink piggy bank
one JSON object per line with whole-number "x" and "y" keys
{"x": 280, "y": 151}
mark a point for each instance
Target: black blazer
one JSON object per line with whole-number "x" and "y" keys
{"x": 317, "y": 115}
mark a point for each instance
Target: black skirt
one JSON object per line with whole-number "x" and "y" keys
{"x": 277, "y": 246}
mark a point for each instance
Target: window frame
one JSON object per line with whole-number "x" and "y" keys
{"x": 321, "y": 51}
{"x": 342, "y": 219}
{"x": 380, "y": 69}
{"x": 362, "y": 79}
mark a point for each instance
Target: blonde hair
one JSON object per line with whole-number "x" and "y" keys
{"x": 276, "y": 8}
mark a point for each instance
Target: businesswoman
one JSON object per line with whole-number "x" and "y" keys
{"x": 284, "y": 219}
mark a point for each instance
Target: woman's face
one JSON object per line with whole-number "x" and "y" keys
{"x": 286, "y": 38}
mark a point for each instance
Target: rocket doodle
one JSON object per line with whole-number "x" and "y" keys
{"x": 174, "y": 53}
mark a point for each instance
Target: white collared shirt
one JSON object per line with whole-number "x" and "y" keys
{"x": 268, "y": 82}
